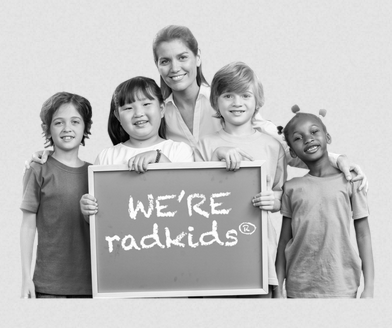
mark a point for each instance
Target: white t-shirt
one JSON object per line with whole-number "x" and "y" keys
{"x": 119, "y": 154}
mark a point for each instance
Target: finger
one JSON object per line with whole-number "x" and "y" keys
{"x": 27, "y": 165}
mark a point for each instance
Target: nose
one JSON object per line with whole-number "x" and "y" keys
{"x": 67, "y": 127}
{"x": 308, "y": 139}
{"x": 139, "y": 112}
{"x": 237, "y": 101}
{"x": 175, "y": 67}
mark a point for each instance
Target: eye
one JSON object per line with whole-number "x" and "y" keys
{"x": 315, "y": 131}
{"x": 75, "y": 122}
{"x": 227, "y": 96}
{"x": 163, "y": 62}
{"x": 147, "y": 104}
{"x": 246, "y": 96}
{"x": 183, "y": 57}
{"x": 57, "y": 123}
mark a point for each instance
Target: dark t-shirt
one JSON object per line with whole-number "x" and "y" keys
{"x": 53, "y": 191}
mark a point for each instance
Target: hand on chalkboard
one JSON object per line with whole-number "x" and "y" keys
{"x": 266, "y": 200}
{"x": 232, "y": 156}
{"x": 88, "y": 205}
{"x": 139, "y": 163}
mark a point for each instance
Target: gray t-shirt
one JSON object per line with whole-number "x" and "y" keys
{"x": 320, "y": 258}
{"x": 53, "y": 191}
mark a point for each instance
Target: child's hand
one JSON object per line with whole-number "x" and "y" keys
{"x": 266, "y": 201}
{"x": 367, "y": 293}
{"x": 232, "y": 156}
{"x": 140, "y": 162}
{"x": 88, "y": 205}
{"x": 28, "y": 289}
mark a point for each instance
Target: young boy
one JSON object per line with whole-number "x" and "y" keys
{"x": 237, "y": 95}
{"x": 50, "y": 205}
{"x": 315, "y": 254}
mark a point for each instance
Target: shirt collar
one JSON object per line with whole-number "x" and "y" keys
{"x": 203, "y": 92}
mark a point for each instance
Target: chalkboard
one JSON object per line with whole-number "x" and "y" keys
{"x": 180, "y": 229}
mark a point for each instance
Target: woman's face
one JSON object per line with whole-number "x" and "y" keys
{"x": 177, "y": 65}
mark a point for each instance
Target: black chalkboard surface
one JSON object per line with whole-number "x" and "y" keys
{"x": 180, "y": 229}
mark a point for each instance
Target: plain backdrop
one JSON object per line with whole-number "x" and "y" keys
{"x": 317, "y": 54}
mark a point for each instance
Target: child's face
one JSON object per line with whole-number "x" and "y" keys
{"x": 142, "y": 118}
{"x": 237, "y": 108}
{"x": 67, "y": 127}
{"x": 177, "y": 65}
{"x": 307, "y": 138}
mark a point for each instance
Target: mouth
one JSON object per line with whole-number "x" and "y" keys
{"x": 237, "y": 112}
{"x": 312, "y": 149}
{"x": 67, "y": 138}
{"x": 177, "y": 77}
{"x": 140, "y": 123}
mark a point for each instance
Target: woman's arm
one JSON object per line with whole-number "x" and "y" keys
{"x": 27, "y": 235}
{"x": 285, "y": 236}
{"x": 364, "y": 243}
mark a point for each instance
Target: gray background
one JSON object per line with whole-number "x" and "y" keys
{"x": 317, "y": 54}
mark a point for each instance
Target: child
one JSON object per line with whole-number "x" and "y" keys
{"x": 51, "y": 194}
{"x": 136, "y": 127}
{"x": 236, "y": 96}
{"x": 315, "y": 254}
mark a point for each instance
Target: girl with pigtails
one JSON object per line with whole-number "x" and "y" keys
{"x": 315, "y": 255}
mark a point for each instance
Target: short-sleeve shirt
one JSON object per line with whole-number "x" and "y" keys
{"x": 53, "y": 191}
{"x": 120, "y": 154}
{"x": 259, "y": 146}
{"x": 320, "y": 258}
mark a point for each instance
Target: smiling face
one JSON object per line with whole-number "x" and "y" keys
{"x": 177, "y": 65}
{"x": 141, "y": 120}
{"x": 307, "y": 138}
{"x": 237, "y": 109}
{"x": 66, "y": 128}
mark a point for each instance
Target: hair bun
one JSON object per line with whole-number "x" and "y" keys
{"x": 295, "y": 109}
{"x": 323, "y": 112}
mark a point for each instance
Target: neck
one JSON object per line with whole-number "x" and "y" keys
{"x": 135, "y": 143}
{"x": 69, "y": 158}
{"x": 322, "y": 167}
{"x": 239, "y": 130}
{"x": 186, "y": 98}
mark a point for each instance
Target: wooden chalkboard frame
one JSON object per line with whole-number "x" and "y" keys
{"x": 259, "y": 287}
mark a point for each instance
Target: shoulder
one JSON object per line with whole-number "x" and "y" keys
{"x": 205, "y": 91}
{"x": 294, "y": 183}
{"x": 269, "y": 140}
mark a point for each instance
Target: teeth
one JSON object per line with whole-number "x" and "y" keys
{"x": 67, "y": 138}
{"x": 178, "y": 77}
{"x": 140, "y": 122}
{"x": 312, "y": 149}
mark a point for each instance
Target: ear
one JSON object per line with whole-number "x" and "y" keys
{"x": 329, "y": 139}
{"x": 162, "y": 108}
{"x": 292, "y": 153}
{"x": 198, "y": 58}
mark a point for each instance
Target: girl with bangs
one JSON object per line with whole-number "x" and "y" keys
{"x": 137, "y": 128}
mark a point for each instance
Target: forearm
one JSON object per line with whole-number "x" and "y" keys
{"x": 27, "y": 235}
{"x": 365, "y": 253}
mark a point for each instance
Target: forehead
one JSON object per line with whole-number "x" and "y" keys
{"x": 172, "y": 47}
{"x": 66, "y": 110}
{"x": 303, "y": 122}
